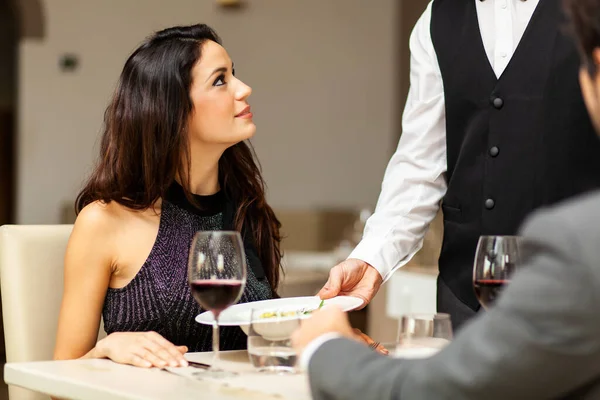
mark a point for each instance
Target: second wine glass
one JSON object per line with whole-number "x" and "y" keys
{"x": 217, "y": 278}
{"x": 496, "y": 259}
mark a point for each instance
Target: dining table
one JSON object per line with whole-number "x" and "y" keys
{"x": 95, "y": 379}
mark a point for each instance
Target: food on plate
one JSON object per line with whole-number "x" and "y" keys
{"x": 290, "y": 313}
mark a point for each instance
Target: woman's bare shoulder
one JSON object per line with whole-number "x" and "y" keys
{"x": 109, "y": 221}
{"x": 100, "y": 215}
{"x": 109, "y": 233}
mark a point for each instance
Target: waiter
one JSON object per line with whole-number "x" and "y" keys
{"x": 494, "y": 127}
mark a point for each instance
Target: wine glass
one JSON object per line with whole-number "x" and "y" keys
{"x": 422, "y": 335}
{"x": 217, "y": 277}
{"x": 496, "y": 259}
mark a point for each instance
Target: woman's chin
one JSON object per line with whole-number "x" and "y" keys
{"x": 248, "y": 132}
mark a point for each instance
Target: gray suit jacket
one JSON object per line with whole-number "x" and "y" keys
{"x": 541, "y": 339}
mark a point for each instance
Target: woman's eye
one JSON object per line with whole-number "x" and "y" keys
{"x": 220, "y": 81}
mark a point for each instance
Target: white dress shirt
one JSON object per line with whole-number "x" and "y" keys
{"x": 414, "y": 183}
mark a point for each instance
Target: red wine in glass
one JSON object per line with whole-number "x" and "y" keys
{"x": 487, "y": 290}
{"x": 216, "y": 295}
{"x": 496, "y": 259}
{"x": 217, "y": 277}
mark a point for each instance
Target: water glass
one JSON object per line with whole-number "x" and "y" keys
{"x": 422, "y": 335}
{"x": 269, "y": 340}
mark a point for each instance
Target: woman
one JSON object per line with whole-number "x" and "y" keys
{"x": 173, "y": 161}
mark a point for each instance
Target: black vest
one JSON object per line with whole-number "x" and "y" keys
{"x": 514, "y": 143}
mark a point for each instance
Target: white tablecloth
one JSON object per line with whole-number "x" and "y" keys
{"x": 103, "y": 379}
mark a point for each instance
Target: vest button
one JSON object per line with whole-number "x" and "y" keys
{"x": 490, "y": 203}
{"x": 494, "y": 151}
{"x": 497, "y": 102}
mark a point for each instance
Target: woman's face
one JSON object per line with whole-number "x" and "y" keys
{"x": 221, "y": 114}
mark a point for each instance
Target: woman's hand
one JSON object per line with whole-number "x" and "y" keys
{"x": 329, "y": 319}
{"x": 141, "y": 349}
{"x": 362, "y": 337}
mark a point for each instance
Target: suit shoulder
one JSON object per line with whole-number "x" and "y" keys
{"x": 579, "y": 213}
{"x": 571, "y": 228}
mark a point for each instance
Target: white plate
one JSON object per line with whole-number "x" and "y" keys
{"x": 239, "y": 314}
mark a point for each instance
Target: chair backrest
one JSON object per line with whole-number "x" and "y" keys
{"x": 31, "y": 285}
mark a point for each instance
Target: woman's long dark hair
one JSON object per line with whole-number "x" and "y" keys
{"x": 145, "y": 144}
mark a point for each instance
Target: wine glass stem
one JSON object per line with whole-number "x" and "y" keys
{"x": 215, "y": 362}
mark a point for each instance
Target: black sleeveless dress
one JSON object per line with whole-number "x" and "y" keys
{"x": 159, "y": 298}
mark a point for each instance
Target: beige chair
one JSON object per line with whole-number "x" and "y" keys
{"x": 31, "y": 284}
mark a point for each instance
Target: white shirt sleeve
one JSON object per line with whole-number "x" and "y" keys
{"x": 414, "y": 181}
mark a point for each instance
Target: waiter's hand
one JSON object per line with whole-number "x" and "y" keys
{"x": 352, "y": 277}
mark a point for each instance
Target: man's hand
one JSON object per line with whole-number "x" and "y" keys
{"x": 352, "y": 277}
{"x": 329, "y": 319}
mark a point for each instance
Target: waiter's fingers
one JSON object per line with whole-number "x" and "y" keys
{"x": 334, "y": 284}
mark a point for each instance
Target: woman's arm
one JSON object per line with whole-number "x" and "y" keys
{"x": 91, "y": 259}
{"x": 88, "y": 268}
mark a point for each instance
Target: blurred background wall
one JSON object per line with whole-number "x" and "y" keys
{"x": 324, "y": 73}
{"x": 330, "y": 80}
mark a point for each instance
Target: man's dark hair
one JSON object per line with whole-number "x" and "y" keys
{"x": 584, "y": 24}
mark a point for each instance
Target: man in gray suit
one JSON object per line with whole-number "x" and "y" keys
{"x": 540, "y": 340}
